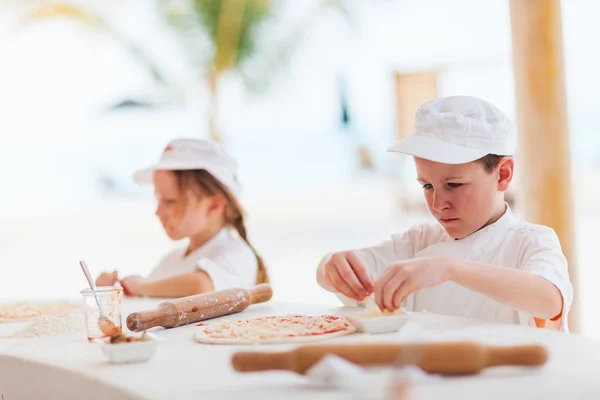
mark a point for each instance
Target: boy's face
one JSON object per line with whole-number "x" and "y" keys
{"x": 464, "y": 197}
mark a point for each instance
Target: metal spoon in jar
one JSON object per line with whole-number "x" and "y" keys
{"x": 104, "y": 323}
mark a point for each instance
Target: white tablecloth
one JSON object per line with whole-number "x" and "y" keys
{"x": 69, "y": 367}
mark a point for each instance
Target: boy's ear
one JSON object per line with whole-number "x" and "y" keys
{"x": 506, "y": 169}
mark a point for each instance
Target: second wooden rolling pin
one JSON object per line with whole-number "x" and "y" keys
{"x": 200, "y": 307}
{"x": 451, "y": 358}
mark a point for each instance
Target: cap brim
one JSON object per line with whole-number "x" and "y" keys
{"x": 146, "y": 175}
{"x": 436, "y": 150}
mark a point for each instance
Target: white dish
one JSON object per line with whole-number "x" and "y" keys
{"x": 377, "y": 324}
{"x": 131, "y": 352}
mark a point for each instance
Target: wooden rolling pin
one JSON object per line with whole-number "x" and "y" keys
{"x": 451, "y": 358}
{"x": 190, "y": 309}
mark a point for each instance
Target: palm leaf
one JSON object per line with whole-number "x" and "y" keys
{"x": 229, "y": 25}
{"x": 233, "y": 32}
{"x": 216, "y": 35}
{"x": 64, "y": 10}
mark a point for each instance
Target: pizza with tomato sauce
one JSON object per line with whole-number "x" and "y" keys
{"x": 274, "y": 329}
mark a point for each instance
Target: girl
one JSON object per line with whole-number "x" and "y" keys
{"x": 479, "y": 261}
{"x": 197, "y": 191}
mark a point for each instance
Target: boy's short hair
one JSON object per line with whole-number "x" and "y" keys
{"x": 490, "y": 162}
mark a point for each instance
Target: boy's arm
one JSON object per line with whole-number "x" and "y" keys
{"x": 540, "y": 286}
{"x": 522, "y": 290}
{"x": 542, "y": 255}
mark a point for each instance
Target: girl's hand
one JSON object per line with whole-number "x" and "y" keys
{"x": 107, "y": 279}
{"x": 406, "y": 277}
{"x": 131, "y": 284}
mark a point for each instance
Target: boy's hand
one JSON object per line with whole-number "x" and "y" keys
{"x": 107, "y": 279}
{"x": 131, "y": 283}
{"x": 346, "y": 273}
{"x": 406, "y": 277}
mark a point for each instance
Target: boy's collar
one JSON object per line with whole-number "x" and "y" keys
{"x": 500, "y": 223}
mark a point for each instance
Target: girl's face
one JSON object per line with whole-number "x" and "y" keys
{"x": 464, "y": 197}
{"x": 184, "y": 213}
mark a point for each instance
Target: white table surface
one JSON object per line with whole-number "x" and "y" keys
{"x": 69, "y": 367}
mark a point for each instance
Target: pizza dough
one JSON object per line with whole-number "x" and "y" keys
{"x": 274, "y": 329}
{"x": 26, "y": 311}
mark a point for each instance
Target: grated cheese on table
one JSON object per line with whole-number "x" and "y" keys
{"x": 372, "y": 309}
{"x": 26, "y": 310}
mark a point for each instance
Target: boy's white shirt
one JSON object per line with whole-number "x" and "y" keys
{"x": 509, "y": 242}
{"x": 226, "y": 258}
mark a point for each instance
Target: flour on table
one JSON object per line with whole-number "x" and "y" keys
{"x": 72, "y": 322}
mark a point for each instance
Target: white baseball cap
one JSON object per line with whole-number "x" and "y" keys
{"x": 190, "y": 154}
{"x": 458, "y": 130}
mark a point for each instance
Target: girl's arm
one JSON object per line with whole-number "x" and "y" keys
{"x": 177, "y": 286}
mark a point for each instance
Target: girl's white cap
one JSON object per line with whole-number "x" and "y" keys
{"x": 458, "y": 130}
{"x": 189, "y": 154}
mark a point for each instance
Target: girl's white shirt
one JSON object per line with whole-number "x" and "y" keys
{"x": 226, "y": 258}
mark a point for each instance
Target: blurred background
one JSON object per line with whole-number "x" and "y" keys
{"x": 306, "y": 95}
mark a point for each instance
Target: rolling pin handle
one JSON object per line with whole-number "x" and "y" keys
{"x": 261, "y": 293}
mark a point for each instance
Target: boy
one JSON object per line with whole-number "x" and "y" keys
{"x": 480, "y": 261}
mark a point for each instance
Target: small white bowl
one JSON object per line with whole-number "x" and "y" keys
{"x": 381, "y": 324}
{"x": 130, "y": 352}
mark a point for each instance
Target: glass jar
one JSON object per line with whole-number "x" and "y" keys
{"x": 102, "y": 311}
